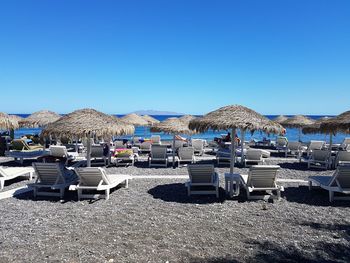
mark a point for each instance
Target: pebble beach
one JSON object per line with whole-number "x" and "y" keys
{"x": 155, "y": 221}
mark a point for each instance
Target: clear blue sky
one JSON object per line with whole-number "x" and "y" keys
{"x": 288, "y": 57}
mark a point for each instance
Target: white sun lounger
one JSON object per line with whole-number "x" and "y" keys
{"x": 95, "y": 178}
{"x": 319, "y": 159}
{"x": 61, "y": 152}
{"x": 158, "y": 156}
{"x": 338, "y": 182}
{"x": 253, "y": 156}
{"x": 202, "y": 175}
{"x": 198, "y": 146}
{"x": 52, "y": 176}
{"x": 13, "y": 172}
{"x": 262, "y": 178}
{"x": 314, "y": 145}
{"x": 342, "y": 158}
{"x": 293, "y": 149}
{"x": 186, "y": 154}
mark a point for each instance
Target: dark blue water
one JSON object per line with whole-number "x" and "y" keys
{"x": 292, "y": 134}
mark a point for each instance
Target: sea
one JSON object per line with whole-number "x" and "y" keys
{"x": 291, "y": 134}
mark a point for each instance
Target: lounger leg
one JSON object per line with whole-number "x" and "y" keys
{"x": 2, "y": 184}
{"x": 188, "y": 190}
{"x": 127, "y": 183}
{"x": 30, "y": 175}
{"x": 278, "y": 194}
{"x": 35, "y": 192}
{"x": 107, "y": 194}
{"x": 310, "y": 185}
{"x": 331, "y": 196}
{"x": 217, "y": 191}
{"x": 61, "y": 194}
{"x": 80, "y": 192}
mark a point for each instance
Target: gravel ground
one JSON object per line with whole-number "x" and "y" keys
{"x": 155, "y": 221}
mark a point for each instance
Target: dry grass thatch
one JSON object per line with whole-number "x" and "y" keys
{"x": 315, "y": 127}
{"x": 235, "y": 116}
{"x": 83, "y": 122}
{"x": 297, "y": 121}
{"x": 340, "y": 123}
{"x": 39, "y": 119}
{"x": 280, "y": 119}
{"x": 172, "y": 126}
{"x": 187, "y": 118}
{"x": 151, "y": 121}
{"x": 7, "y": 122}
{"x": 134, "y": 119}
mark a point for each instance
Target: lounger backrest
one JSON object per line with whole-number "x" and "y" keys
{"x": 345, "y": 143}
{"x": 158, "y": 152}
{"x": 197, "y": 144}
{"x": 145, "y": 146}
{"x": 262, "y": 176}
{"x": 20, "y": 144}
{"x": 155, "y": 139}
{"x": 96, "y": 151}
{"x": 91, "y": 176}
{"x": 253, "y": 154}
{"x": 342, "y": 156}
{"x": 179, "y": 144}
{"x": 281, "y": 141}
{"x": 201, "y": 173}
{"x": 341, "y": 177}
{"x": 294, "y": 146}
{"x": 186, "y": 153}
{"x": 49, "y": 173}
{"x": 320, "y": 155}
{"x": 316, "y": 145}
{"x": 119, "y": 144}
{"x": 136, "y": 140}
{"x": 2, "y": 172}
{"x": 58, "y": 151}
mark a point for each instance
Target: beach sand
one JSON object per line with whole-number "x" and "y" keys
{"x": 154, "y": 221}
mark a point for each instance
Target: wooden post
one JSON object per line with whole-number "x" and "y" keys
{"x": 174, "y": 150}
{"x": 233, "y": 150}
{"x": 242, "y": 146}
{"x": 88, "y": 151}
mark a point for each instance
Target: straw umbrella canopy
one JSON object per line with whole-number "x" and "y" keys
{"x": 316, "y": 128}
{"x": 7, "y": 122}
{"x": 134, "y": 119}
{"x": 172, "y": 126}
{"x": 150, "y": 119}
{"x": 187, "y": 118}
{"x": 340, "y": 123}
{"x": 280, "y": 119}
{"x": 297, "y": 121}
{"x": 234, "y": 117}
{"x": 40, "y": 119}
{"x": 86, "y": 122}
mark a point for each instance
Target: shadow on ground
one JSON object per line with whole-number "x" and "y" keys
{"x": 315, "y": 197}
{"x": 177, "y": 193}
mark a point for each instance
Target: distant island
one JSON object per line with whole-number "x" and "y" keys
{"x": 155, "y": 112}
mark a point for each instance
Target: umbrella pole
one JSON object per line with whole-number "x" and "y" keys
{"x": 76, "y": 145}
{"x": 300, "y": 134}
{"x": 88, "y": 151}
{"x": 242, "y": 146}
{"x": 174, "y": 150}
{"x": 233, "y": 150}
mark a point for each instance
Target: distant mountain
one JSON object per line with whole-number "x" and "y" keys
{"x": 156, "y": 112}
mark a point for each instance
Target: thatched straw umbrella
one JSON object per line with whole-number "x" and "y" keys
{"x": 134, "y": 119}
{"x": 340, "y": 123}
{"x": 151, "y": 121}
{"x": 86, "y": 122}
{"x": 298, "y": 121}
{"x": 39, "y": 119}
{"x": 235, "y": 117}
{"x": 172, "y": 126}
{"x": 316, "y": 128}
{"x": 7, "y": 122}
{"x": 280, "y": 119}
{"x": 187, "y": 118}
